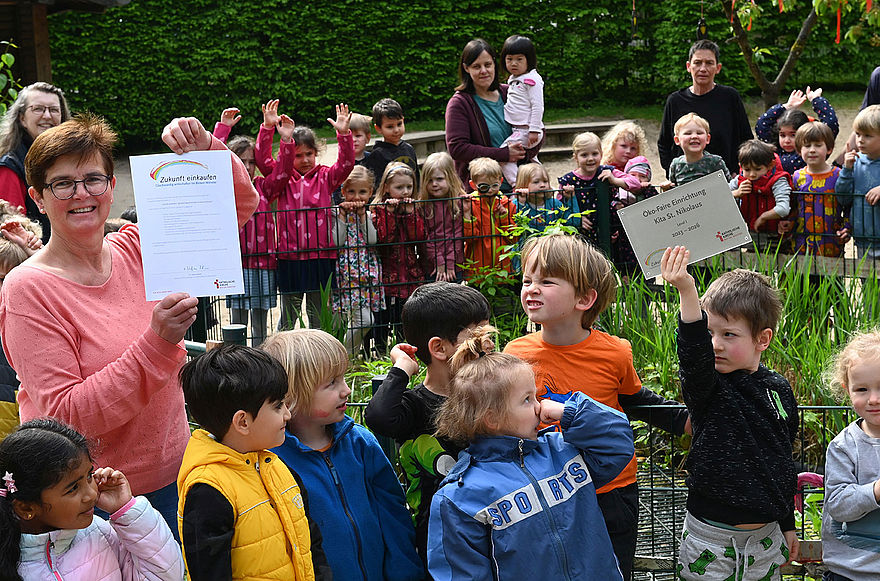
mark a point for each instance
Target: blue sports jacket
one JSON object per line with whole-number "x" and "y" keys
{"x": 358, "y": 504}
{"x": 526, "y": 509}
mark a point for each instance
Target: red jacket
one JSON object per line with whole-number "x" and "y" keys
{"x": 761, "y": 199}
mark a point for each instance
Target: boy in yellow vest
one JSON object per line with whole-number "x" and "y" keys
{"x": 241, "y": 513}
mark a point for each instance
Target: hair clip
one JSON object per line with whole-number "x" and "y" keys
{"x": 9, "y": 485}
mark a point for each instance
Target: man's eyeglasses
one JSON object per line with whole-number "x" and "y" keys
{"x": 486, "y": 188}
{"x": 39, "y": 110}
{"x": 65, "y": 189}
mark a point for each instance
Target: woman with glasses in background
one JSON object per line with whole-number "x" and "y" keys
{"x": 88, "y": 347}
{"x": 38, "y": 107}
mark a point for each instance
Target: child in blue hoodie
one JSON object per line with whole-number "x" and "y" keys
{"x": 354, "y": 495}
{"x": 513, "y": 488}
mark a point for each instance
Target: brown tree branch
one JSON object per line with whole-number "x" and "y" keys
{"x": 742, "y": 40}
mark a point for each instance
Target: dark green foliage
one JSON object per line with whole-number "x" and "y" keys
{"x": 141, "y": 64}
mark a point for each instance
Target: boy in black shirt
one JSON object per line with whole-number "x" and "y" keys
{"x": 742, "y": 479}
{"x": 388, "y": 122}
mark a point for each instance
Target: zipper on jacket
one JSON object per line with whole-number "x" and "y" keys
{"x": 546, "y": 508}
{"x": 49, "y": 546}
{"x": 357, "y": 536}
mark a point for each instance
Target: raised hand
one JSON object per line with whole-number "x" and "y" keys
{"x": 813, "y": 94}
{"x": 270, "y": 114}
{"x": 796, "y": 99}
{"x": 285, "y": 128}
{"x": 173, "y": 315}
{"x": 230, "y": 116}
{"x": 403, "y": 357}
{"x": 849, "y": 156}
{"x": 185, "y": 134}
{"x": 113, "y": 489}
{"x": 343, "y": 118}
{"x": 673, "y": 267}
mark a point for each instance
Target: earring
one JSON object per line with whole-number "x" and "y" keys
{"x": 42, "y": 210}
{"x": 28, "y": 516}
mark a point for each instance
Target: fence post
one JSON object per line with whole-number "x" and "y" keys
{"x": 234, "y": 334}
{"x": 387, "y": 444}
{"x": 603, "y": 193}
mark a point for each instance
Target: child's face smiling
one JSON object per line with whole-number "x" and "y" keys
{"x": 523, "y": 407}
{"x": 267, "y": 428}
{"x": 330, "y": 400}
{"x": 692, "y": 137}
{"x": 786, "y": 138}
{"x": 516, "y": 64}
{"x": 735, "y": 347}
{"x": 399, "y": 187}
{"x": 815, "y": 154}
{"x": 863, "y": 387}
{"x": 625, "y": 150}
{"x": 391, "y": 130}
{"x": 357, "y": 191}
{"x": 69, "y": 504}
{"x": 868, "y": 144}
{"x": 588, "y": 159}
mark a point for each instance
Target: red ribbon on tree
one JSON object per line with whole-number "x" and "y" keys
{"x": 837, "y": 40}
{"x": 870, "y": 2}
{"x": 732, "y": 9}
{"x": 780, "y": 6}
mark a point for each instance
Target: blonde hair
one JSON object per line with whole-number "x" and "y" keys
{"x": 577, "y": 262}
{"x": 361, "y": 123}
{"x": 690, "y": 118}
{"x": 443, "y": 162}
{"x": 10, "y": 213}
{"x": 868, "y": 120}
{"x": 393, "y": 170}
{"x": 585, "y": 140}
{"x": 310, "y": 357}
{"x": 485, "y": 167}
{"x": 862, "y": 346}
{"x": 359, "y": 174}
{"x": 11, "y": 254}
{"x": 630, "y": 132}
{"x": 478, "y": 392}
{"x": 527, "y": 172}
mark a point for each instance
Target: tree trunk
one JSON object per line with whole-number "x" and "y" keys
{"x": 770, "y": 91}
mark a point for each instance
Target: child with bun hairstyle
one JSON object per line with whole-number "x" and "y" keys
{"x": 354, "y": 495}
{"x": 851, "y": 514}
{"x": 306, "y": 257}
{"x": 257, "y": 236}
{"x": 48, "y": 529}
{"x": 513, "y": 486}
{"x": 779, "y": 124}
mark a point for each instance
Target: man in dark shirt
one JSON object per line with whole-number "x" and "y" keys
{"x": 720, "y": 105}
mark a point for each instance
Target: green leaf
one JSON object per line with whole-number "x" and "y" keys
{"x": 7, "y": 59}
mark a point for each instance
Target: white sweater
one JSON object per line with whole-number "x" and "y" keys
{"x": 525, "y": 101}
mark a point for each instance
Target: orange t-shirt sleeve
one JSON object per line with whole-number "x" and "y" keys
{"x": 629, "y": 378}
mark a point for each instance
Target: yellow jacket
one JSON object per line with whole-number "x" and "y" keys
{"x": 271, "y": 538}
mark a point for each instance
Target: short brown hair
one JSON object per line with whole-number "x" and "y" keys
{"x": 84, "y": 136}
{"x": 745, "y": 294}
{"x": 309, "y": 356}
{"x": 814, "y": 132}
{"x": 574, "y": 260}
{"x": 478, "y": 392}
{"x": 755, "y": 152}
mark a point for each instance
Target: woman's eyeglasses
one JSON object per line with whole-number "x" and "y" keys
{"x": 65, "y": 189}
{"x": 40, "y": 110}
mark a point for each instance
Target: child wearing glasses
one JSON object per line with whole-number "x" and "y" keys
{"x": 579, "y": 185}
{"x": 487, "y": 219}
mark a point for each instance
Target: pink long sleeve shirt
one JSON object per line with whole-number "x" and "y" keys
{"x": 304, "y": 219}
{"x": 87, "y": 356}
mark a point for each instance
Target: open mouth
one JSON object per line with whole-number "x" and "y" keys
{"x": 83, "y": 210}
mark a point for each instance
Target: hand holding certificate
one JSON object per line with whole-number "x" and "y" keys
{"x": 701, "y": 215}
{"x": 187, "y": 217}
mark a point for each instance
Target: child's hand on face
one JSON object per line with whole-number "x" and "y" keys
{"x": 230, "y": 116}
{"x": 270, "y": 114}
{"x": 403, "y": 357}
{"x": 113, "y": 489}
{"x": 285, "y": 128}
{"x": 744, "y": 189}
{"x": 849, "y": 157}
{"x": 343, "y": 118}
{"x": 551, "y": 411}
{"x": 796, "y": 99}
{"x": 873, "y": 195}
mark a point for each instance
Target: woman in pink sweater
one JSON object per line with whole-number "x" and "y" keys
{"x": 88, "y": 348}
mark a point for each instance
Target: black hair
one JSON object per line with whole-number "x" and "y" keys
{"x": 304, "y": 137}
{"x": 130, "y": 214}
{"x": 38, "y": 454}
{"x": 386, "y": 109}
{"x": 523, "y": 45}
{"x": 705, "y": 45}
{"x": 793, "y": 118}
{"x": 469, "y": 54}
{"x": 755, "y": 152}
{"x": 227, "y": 379}
{"x": 441, "y": 309}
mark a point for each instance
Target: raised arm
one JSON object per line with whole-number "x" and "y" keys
{"x": 345, "y": 157}
{"x": 390, "y": 412}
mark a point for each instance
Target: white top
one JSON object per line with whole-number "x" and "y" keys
{"x": 525, "y": 101}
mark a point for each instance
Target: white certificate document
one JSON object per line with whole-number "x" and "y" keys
{"x": 702, "y": 215}
{"x": 187, "y": 222}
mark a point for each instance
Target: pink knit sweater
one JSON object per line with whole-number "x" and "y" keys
{"x": 87, "y": 356}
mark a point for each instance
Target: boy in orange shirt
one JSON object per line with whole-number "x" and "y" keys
{"x": 566, "y": 285}
{"x": 488, "y": 217}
